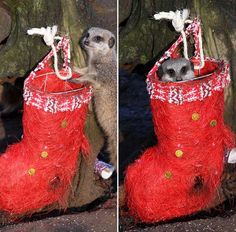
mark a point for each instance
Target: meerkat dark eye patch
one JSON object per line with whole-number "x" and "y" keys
{"x": 184, "y": 70}
{"x": 192, "y": 66}
{"x": 98, "y": 39}
{"x": 171, "y": 72}
{"x": 111, "y": 42}
{"x": 160, "y": 72}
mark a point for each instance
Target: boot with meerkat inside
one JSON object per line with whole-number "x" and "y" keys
{"x": 181, "y": 174}
{"x": 38, "y": 171}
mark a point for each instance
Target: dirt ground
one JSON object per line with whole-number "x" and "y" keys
{"x": 216, "y": 224}
{"x": 220, "y": 219}
{"x": 94, "y": 221}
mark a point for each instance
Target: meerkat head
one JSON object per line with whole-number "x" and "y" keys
{"x": 174, "y": 70}
{"x": 98, "y": 43}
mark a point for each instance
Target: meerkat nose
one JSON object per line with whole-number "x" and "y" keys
{"x": 85, "y": 39}
{"x": 179, "y": 78}
{"x": 86, "y": 42}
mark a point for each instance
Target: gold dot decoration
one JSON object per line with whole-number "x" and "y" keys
{"x": 179, "y": 153}
{"x": 64, "y": 124}
{"x": 44, "y": 154}
{"x": 195, "y": 116}
{"x": 32, "y": 171}
{"x": 213, "y": 123}
{"x": 168, "y": 175}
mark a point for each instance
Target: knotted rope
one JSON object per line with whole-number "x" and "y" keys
{"x": 179, "y": 19}
{"x": 49, "y": 35}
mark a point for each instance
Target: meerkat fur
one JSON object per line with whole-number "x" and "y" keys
{"x": 101, "y": 73}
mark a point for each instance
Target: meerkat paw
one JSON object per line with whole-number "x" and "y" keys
{"x": 81, "y": 71}
{"x": 89, "y": 78}
{"x": 79, "y": 80}
{"x": 113, "y": 161}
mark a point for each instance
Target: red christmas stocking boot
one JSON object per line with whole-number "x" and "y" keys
{"x": 181, "y": 174}
{"x": 38, "y": 171}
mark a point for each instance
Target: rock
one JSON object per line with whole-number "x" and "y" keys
{"x": 135, "y": 119}
{"x": 5, "y": 24}
{"x": 125, "y": 7}
{"x": 101, "y": 13}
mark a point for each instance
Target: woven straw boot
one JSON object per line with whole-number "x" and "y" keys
{"x": 181, "y": 174}
{"x": 38, "y": 171}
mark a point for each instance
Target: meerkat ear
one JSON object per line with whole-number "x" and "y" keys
{"x": 111, "y": 42}
{"x": 160, "y": 72}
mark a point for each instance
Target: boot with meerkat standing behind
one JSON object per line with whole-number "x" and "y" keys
{"x": 38, "y": 172}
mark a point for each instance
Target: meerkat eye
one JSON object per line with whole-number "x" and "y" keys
{"x": 184, "y": 70}
{"x": 98, "y": 39}
{"x": 171, "y": 72}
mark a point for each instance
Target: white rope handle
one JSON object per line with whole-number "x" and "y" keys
{"x": 179, "y": 19}
{"x": 49, "y": 35}
{"x": 202, "y": 61}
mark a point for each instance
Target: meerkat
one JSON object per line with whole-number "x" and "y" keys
{"x": 174, "y": 70}
{"x": 99, "y": 44}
